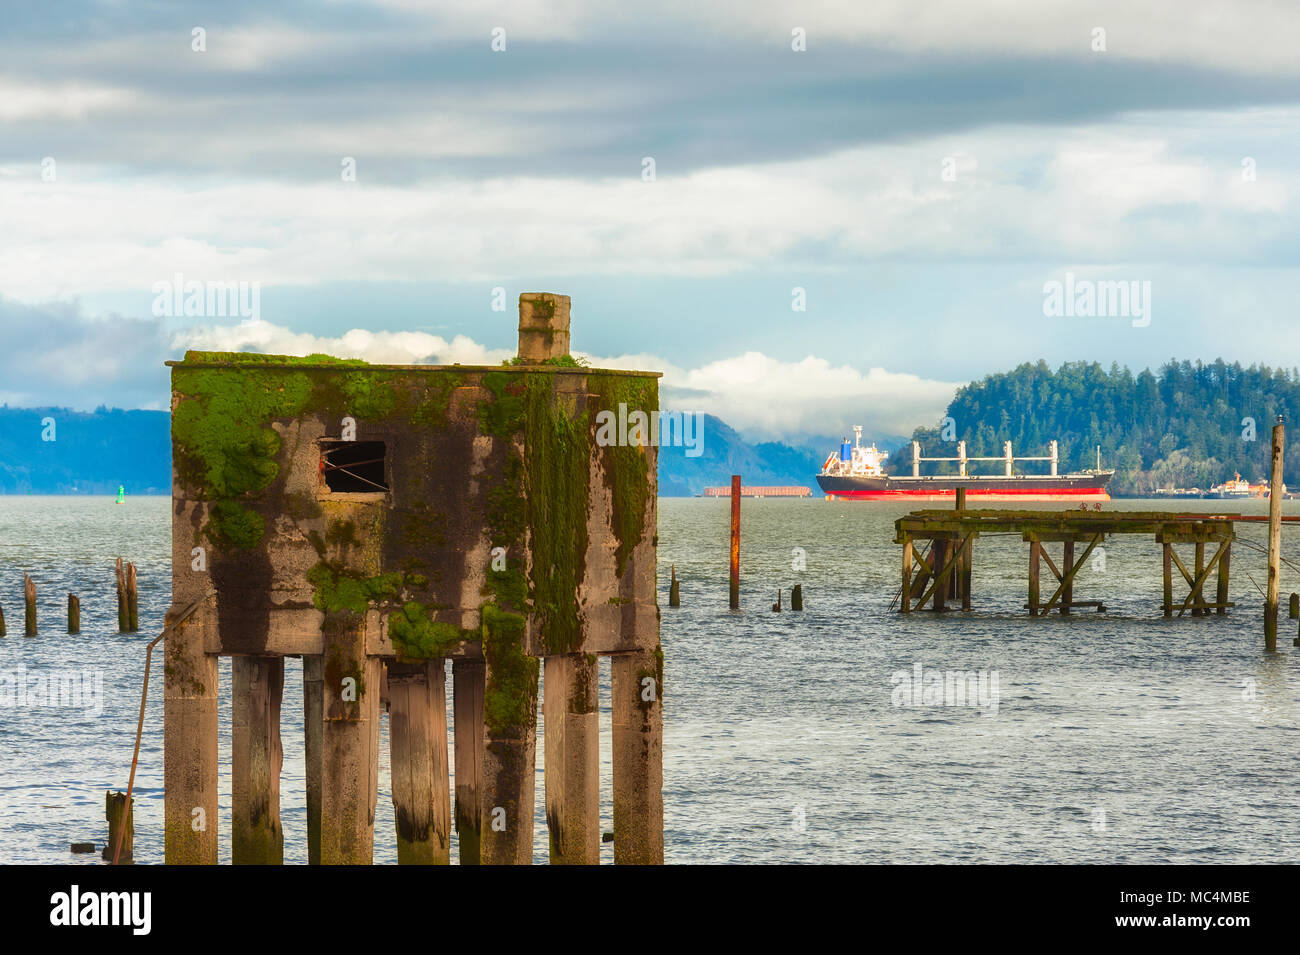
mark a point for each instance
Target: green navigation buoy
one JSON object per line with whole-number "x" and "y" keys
{"x": 121, "y": 494}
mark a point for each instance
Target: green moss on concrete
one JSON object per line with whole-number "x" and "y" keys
{"x": 224, "y": 444}
{"x": 557, "y": 479}
{"x": 337, "y": 588}
{"x": 627, "y": 467}
{"x": 510, "y": 696}
{"x": 417, "y": 636}
{"x": 257, "y": 358}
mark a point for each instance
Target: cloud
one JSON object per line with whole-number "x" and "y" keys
{"x": 390, "y": 348}
{"x": 1107, "y": 194}
{"x": 56, "y": 356}
{"x": 759, "y": 394}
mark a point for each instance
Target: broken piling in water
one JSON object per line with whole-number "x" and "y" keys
{"x": 29, "y": 606}
{"x": 735, "y": 542}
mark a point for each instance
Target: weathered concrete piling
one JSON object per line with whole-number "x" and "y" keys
{"x": 384, "y": 519}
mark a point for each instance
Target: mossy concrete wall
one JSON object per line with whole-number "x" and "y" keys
{"x": 478, "y": 458}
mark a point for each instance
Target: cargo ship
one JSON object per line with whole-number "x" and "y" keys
{"x": 857, "y": 473}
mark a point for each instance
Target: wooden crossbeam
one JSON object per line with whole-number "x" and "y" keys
{"x": 1199, "y": 582}
{"x": 1069, "y": 575}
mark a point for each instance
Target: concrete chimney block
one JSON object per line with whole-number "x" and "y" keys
{"x": 543, "y": 326}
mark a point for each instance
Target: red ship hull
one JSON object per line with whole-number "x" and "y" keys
{"x": 1025, "y": 489}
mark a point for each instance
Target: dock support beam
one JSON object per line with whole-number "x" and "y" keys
{"x": 256, "y": 757}
{"x": 1035, "y": 561}
{"x": 313, "y": 714}
{"x": 1067, "y": 562}
{"x": 467, "y": 700}
{"x": 572, "y": 759}
{"x": 907, "y": 574}
{"x": 509, "y": 761}
{"x": 1168, "y": 558}
{"x": 1221, "y": 595}
{"x": 349, "y": 742}
{"x": 638, "y": 757}
{"x": 189, "y": 745}
{"x": 417, "y": 728}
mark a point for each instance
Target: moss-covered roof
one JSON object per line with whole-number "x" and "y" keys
{"x": 235, "y": 359}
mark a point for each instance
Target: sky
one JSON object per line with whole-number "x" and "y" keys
{"x": 808, "y": 215}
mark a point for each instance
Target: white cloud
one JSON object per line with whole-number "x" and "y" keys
{"x": 390, "y": 348}
{"x": 21, "y": 100}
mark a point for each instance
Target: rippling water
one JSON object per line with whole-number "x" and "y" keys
{"x": 1117, "y": 737}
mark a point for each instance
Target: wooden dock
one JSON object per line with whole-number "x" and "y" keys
{"x": 941, "y": 571}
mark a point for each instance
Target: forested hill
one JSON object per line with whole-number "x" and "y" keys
{"x": 1185, "y": 425}
{"x": 57, "y": 451}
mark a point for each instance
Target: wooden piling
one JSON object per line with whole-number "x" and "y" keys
{"x": 961, "y": 499}
{"x": 572, "y": 758}
{"x": 638, "y": 757}
{"x": 907, "y": 574}
{"x": 349, "y": 742}
{"x": 256, "y": 757}
{"x": 189, "y": 743}
{"x": 1067, "y": 562}
{"x": 29, "y": 606}
{"x": 417, "y": 714}
{"x": 3, "y": 632}
{"x": 1274, "y": 535}
{"x": 115, "y": 807}
{"x": 1221, "y": 594}
{"x": 965, "y": 570}
{"x": 1167, "y": 550}
{"x": 1035, "y": 560}
{"x": 735, "y": 542}
{"x": 313, "y": 713}
{"x": 796, "y": 597}
{"x": 1293, "y": 611}
{"x": 123, "y": 620}
{"x": 509, "y": 761}
{"x": 1198, "y": 597}
{"x": 74, "y": 614}
{"x": 674, "y": 595}
{"x": 467, "y": 703}
{"x": 132, "y": 601}
{"x": 939, "y": 554}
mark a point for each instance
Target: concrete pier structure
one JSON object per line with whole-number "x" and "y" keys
{"x": 379, "y": 521}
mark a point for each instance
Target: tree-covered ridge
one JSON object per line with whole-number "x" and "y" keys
{"x": 1183, "y": 426}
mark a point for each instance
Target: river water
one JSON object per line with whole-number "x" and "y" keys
{"x": 1098, "y": 737}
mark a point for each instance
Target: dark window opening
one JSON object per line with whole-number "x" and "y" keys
{"x": 353, "y": 466}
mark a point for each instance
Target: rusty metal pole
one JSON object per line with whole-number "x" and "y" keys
{"x": 1274, "y": 536}
{"x": 735, "y": 542}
